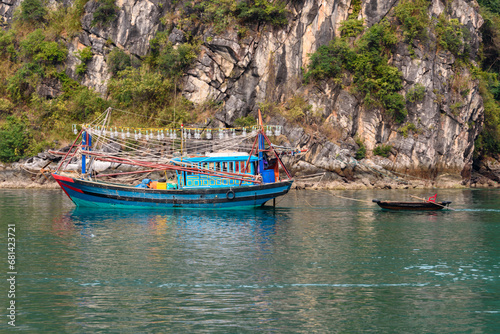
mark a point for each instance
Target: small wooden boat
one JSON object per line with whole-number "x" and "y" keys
{"x": 417, "y": 206}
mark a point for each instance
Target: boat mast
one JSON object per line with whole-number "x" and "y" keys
{"x": 262, "y": 138}
{"x": 261, "y": 145}
{"x": 182, "y": 138}
{"x": 107, "y": 119}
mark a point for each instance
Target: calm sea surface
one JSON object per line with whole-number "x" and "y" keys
{"x": 315, "y": 264}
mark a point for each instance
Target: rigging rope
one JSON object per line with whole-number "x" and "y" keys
{"x": 154, "y": 149}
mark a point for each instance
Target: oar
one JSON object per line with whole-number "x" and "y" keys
{"x": 423, "y": 199}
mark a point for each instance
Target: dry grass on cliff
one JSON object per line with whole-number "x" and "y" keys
{"x": 460, "y": 83}
{"x": 334, "y": 134}
{"x": 7, "y": 70}
{"x": 206, "y": 110}
{"x": 300, "y": 113}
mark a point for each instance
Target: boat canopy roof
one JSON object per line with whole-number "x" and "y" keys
{"x": 217, "y": 157}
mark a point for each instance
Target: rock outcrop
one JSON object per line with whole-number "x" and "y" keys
{"x": 445, "y": 122}
{"x": 267, "y": 65}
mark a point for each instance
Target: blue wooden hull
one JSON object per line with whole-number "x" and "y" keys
{"x": 100, "y": 194}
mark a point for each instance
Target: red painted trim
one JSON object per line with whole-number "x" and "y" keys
{"x": 72, "y": 188}
{"x": 62, "y": 178}
{"x": 59, "y": 180}
{"x": 61, "y": 185}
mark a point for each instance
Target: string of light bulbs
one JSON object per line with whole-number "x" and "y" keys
{"x": 174, "y": 133}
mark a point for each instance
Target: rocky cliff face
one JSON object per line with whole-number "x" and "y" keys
{"x": 267, "y": 65}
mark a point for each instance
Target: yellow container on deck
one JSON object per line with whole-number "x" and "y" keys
{"x": 161, "y": 185}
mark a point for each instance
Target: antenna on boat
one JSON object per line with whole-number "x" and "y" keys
{"x": 261, "y": 145}
{"x": 182, "y": 137}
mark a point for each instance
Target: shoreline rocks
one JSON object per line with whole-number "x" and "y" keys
{"x": 35, "y": 173}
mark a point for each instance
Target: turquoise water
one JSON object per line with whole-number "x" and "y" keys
{"x": 316, "y": 263}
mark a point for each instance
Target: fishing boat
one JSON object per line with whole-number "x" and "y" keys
{"x": 418, "y": 206}
{"x": 223, "y": 177}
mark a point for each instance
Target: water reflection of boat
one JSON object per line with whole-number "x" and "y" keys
{"x": 265, "y": 216}
{"x": 416, "y": 206}
{"x": 179, "y": 226}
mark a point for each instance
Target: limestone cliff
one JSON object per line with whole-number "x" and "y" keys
{"x": 266, "y": 64}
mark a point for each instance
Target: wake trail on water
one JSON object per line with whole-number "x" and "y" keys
{"x": 294, "y": 285}
{"x": 253, "y": 286}
{"x": 478, "y": 210}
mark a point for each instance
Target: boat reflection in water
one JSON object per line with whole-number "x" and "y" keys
{"x": 172, "y": 223}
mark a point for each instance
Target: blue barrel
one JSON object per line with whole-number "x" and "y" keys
{"x": 268, "y": 176}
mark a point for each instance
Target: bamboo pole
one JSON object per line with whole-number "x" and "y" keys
{"x": 64, "y": 159}
{"x": 277, "y": 157}
{"x": 227, "y": 175}
{"x": 423, "y": 199}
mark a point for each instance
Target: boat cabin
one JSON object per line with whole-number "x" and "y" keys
{"x": 233, "y": 162}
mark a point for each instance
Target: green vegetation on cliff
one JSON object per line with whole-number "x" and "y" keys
{"x": 222, "y": 13}
{"x": 14, "y": 139}
{"x": 105, "y": 13}
{"x": 227, "y": 14}
{"x": 33, "y": 11}
{"x": 488, "y": 142}
{"x": 39, "y": 99}
{"x": 366, "y": 60}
